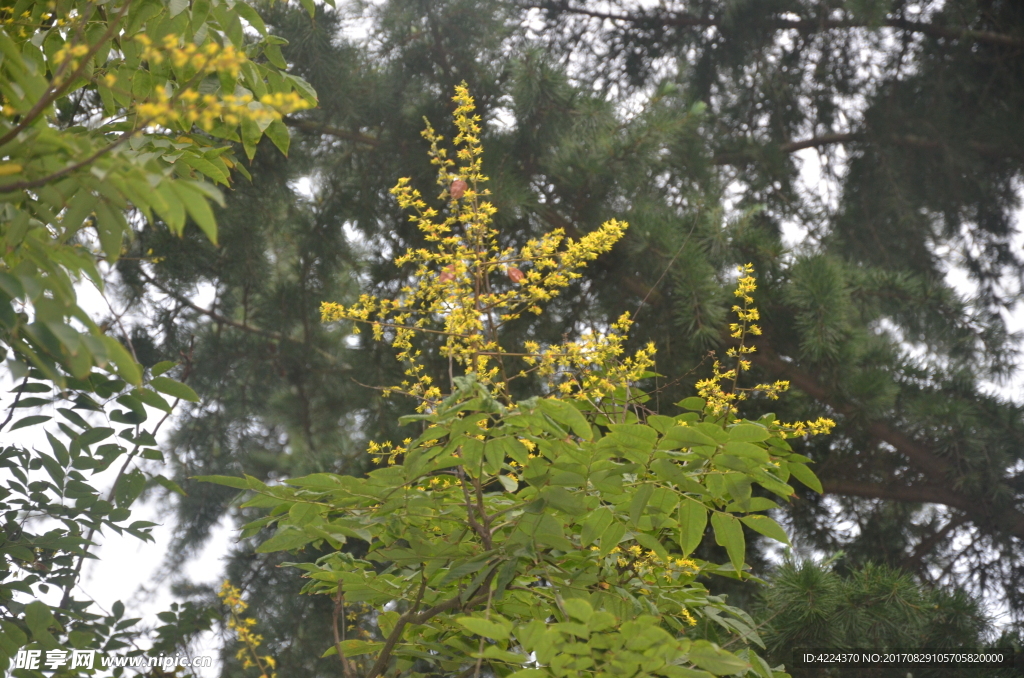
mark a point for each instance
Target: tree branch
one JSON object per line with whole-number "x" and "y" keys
{"x": 903, "y": 140}
{"x": 410, "y": 616}
{"x": 318, "y": 128}
{"x": 339, "y": 609}
{"x": 10, "y": 410}
{"x": 396, "y": 633}
{"x": 815, "y": 25}
{"x": 914, "y": 494}
{"x": 42, "y": 181}
{"x": 940, "y": 472}
{"x": 924, "y": 547}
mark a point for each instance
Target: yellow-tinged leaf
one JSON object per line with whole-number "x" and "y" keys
{"x": 9, "y": 168}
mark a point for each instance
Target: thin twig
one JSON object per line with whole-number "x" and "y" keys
{"x": 213, "y": 315}
{"x": 10, "y": 410}
{"x": 36, "y": 183}
{"x": 339, "y": 608}
{"x": 675, "y": 256}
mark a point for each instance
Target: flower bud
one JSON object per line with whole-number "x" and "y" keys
{"x": 458, "y": 189}
{"x": 514, "y": 274}
{"x": 448, "y": 274}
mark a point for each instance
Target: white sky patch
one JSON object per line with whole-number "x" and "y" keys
{"x": 304, "y": 187}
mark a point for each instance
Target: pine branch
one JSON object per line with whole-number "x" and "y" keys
{"x": 911, "y": 494}
{"x": 903, "y": 140}
{"x": 218, "y": 318}
{"x": 738, "y": 157}
{"x": 317, "y": 128}
{"x": 815, "y": 25}
{"x": 940, "y": 473}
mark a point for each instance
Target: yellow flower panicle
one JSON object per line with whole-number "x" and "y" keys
{"x": 468, "y": 286}
{"x": 242, "y": 627}
{"x": 721, "y": 400}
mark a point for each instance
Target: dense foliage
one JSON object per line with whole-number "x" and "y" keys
{"x": 112, "y": 115}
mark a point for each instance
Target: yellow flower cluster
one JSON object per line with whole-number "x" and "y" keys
{"x": 721, "y": 400}
{"x": 187, "y": 106}
{"x": 468, "y": 286}
{"x": 242, "y": 628}
{"x": 438, "y": 483}
{"x": 388, "y": 450}
{"x": 746, "y": 315}
{"x": 70, "y": 51}
{"x": 819, "y": 427}
{"x": 7, "y": 16}
{"x": 24, "y": 24}
{"x": 211, "y": 58}
{"x": 649, "y": 568}
{"x": 206, "y": 109}
{"x": 590, "y": 368}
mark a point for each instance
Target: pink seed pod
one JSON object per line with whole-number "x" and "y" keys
{"x": 458, "y": 189}
{"x": 514, "y": 274}
{"x": 448, "y": 274}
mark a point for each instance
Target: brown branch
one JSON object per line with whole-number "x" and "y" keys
{"x": 410, "y": 616}
{"x": 903, "y": 140}
{"x": 339, "y": 608}
{"x": 36, "y": 183}
{"x": 684, "y": 20}
{"x": 814, "y": 142}
{"x": 913, "y": 560}
{"x": 318, "y": 128}
{"x": 914, "y": 494}
{"x": 396, "y": 633}
{"x": 485, "y": 534}
{"x": 210, "y": 313}
{"x": 217, "y": 317}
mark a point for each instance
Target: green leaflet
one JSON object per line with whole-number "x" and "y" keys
{"x": 767, "y": 527}
{"x": 693, "y": 519}
{"x": 486, "y": 627}
{"x": 729, "y": 533}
